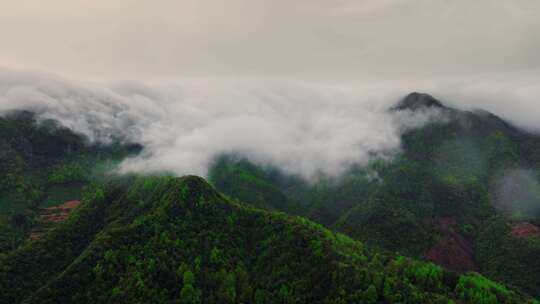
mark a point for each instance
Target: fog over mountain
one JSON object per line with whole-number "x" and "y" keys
{"x": 304, "y": 129}
{"x": 304, "y": 85}
{"x": 300, "y": 128}
{"x": 269, "y": 151}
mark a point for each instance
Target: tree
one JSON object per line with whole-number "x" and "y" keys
{"x": 370, "y": 295}
{"x": 228, "y": 289}
{"x": 188, "y": 293}
{"x": 215, "y": 256}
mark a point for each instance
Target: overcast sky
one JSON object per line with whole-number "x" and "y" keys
{"x": 340, "y": 41}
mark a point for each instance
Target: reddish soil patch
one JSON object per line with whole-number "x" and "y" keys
{"x": 68, "y": 205}
{"x": 525, "y": 230}
{"x": 452, "y": 251}
{"x": 58, "y": 213}
{"x": 50, "y": 216}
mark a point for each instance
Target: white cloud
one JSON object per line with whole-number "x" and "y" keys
{"x": 300, "y": 128}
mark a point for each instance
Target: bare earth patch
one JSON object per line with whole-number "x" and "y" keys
{"x": 452, "y": 251}
{"x": 525, "y": 230}
{"x": 50, "y": 216}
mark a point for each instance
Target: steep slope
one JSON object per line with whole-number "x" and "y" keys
{"x": 471, "y": 169}
{"x": 177, "y": 240}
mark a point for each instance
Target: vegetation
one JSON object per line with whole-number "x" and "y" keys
{"x": 42, "y": 165}
{"x": 177, "y": 240}
{"x": 271, "y": 237}
{"x": 455, "y": 169}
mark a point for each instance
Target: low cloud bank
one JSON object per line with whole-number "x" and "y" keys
{"x": 301, "y": 128}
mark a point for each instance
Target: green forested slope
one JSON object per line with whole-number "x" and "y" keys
{"x": 453, "y": 171}
{"x": 177, "y": 240}
{"x": 136, "y": 239}
{"x": 43, "y": 164}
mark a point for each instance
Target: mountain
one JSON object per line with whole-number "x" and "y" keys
{"x": 415, "y": 101}
{"x": 463, "y": 193}
{"x": 454, "y": 194}
{"x": 177, "y": 240}
{"x": 43, "y": 164}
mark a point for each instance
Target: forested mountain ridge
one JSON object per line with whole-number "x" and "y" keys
{"x": 452, "y": 195}
{"x": 43, "y": 164}
{"x": 177, "y": 240}
{"x": 456, "y": 194}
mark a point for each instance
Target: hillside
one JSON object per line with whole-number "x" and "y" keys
{"x": 43, "y": 165}
{"x": 452, "y": 195}
{"x": 177, "y": 240}
{"x": 464, "y": 193}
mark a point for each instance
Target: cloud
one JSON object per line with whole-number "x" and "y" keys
{"x": 301, "y": 128}
{"x": 512, "y": 96}
{"x": 517, "y": 192}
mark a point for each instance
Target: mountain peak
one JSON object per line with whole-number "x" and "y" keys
{"x": 415, "y": 101}
{"x": 195, "y": 184}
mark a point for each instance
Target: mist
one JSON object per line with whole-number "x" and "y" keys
{"x": 304, "y": 129}
{"x": 300, "y": 128}
{"x": 517, "y": 193}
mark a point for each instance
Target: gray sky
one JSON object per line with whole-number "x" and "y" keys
{"x": 341, "y": 41}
